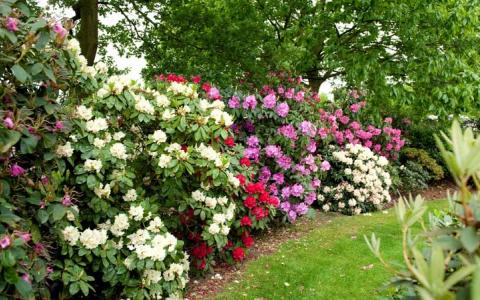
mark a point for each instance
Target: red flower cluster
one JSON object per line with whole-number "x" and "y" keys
{"x": 230, "y": 142}
{"x": 245, "y": 162}
{"x": 171, "y": 78}
{"x": 201, "y": 250}
{"x": 238, "y": 254}
{"x": 250, "y": 202}
{"x": 241, "y": 178}
{"x": 247, "y": 240}
{"x": 246, "y": 221}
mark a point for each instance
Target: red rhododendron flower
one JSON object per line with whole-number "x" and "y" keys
{"x": 264, "y": 197}
{"x": 201, "y": 250}
{"x": 206, "y": 87}
{"x": 241, "y": 178}
{"x": 230, "y": 142}
{"x": 186, "y": 217}
{"x": 245, "y": 162}
{"x": 248, "y": 241}
{"x": 254, "y": 188}
{"x": 274, "y": 201}
{"x": 246, "y": 221}
{"x": 238, "y": 254}
{"x": 196, "y": 79}
{"x": 250, "y": 202}
{"x": 259, "y": 213}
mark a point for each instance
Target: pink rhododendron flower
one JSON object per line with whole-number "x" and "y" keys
{"x": 214, "y": 94}
{"x": 5, "y": 242}
{"x": 289, "y": 94}
{"x": 59, "y": 125}
{"x": 388, "y": 120}
{"x": 234, "y": 102}
{"x": 59, "y": 30}
{"x": 354, "y": 94}
{"x": 325, "y": 165}
{"x": 282, "y": 109}
{"x": 249, "y": 102}
{"x": 355, "y": 107}
{"x": 11, "y": 24}
{"x": 299, "y": 97}
{"x": 8, "y": 123}
{"x": 26, "y": 278}
{"x": 269, "y": 101}
{"x": 16, "y": 170}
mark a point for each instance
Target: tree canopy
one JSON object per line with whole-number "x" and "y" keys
{"x": 423, "y": 53}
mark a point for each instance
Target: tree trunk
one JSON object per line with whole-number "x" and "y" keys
{"x": 314, "y": 81}
{"x": 87, "y": 12}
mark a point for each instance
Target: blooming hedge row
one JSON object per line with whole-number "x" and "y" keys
{"x": 130, "y": 184}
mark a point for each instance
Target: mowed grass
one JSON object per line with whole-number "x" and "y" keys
{"x": 330, "y": 262}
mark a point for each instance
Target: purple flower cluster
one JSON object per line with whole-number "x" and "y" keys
{"x": 288, "y": 131}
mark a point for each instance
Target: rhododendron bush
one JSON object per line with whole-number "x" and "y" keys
{"x": 287, "y": 131}
{"x": 359, "y": 181}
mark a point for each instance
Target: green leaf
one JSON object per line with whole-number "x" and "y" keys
{"x": 42, "y": 216}
{"x": 28, "y": 144}
{"x": 24, "y": 288}
{"x": 58, "y": 212}
{"x": 36, "y": 68}
{"x": 39, "y": 24}
{"x": 470, "y": 239}
{"x": 8, "y": 138}
{"x": 20, "y": 73}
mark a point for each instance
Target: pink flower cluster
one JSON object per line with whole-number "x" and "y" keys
{"x": 344, "y": 129}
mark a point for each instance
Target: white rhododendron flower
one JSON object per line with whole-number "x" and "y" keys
{"x": 99, "y": 143}
{"x": 91, "y": 239}
{"x": 65, "y": 150}
{"x": 84, "y": 113}
{"x": 71, "y": 235}
{"x": 168, "y": 114}
{"x": 159, "y": 136}
{"x": 119, "y": 151}
{"x": 214, "y": 228}
{"x": 143, "y": 105}
{"x": 103, "y": 191}
{"x": 119, "y": 225}
{"x": 93, "y": 165}
{"x": 136, "y": 212}
{"x": 131, "y": 195}
{"x": 118, "y": 136}
{"x": 164, "y": 160}
{"x": 96, "y": 125}
{"x": 162, "y": 100}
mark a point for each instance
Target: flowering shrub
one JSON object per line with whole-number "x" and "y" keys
{"x": 39, "y": 70}
{"x": 278, "y": 130}
{"x": 344, "y": 124}
{"x": 360, "y": 181}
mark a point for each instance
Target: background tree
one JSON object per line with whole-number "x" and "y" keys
{"x": 420, "y": 53}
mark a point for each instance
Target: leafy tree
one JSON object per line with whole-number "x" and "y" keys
{"x": 420, "y": 53}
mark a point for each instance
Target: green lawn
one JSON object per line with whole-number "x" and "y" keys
{"x": 330, "y": 262}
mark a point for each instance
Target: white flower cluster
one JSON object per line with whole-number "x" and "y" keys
{"x": 116, "y": 84}
{"x": 89, "y": 238}
{"x": 96, "y": 125}
{"x": 119, "y": 151}
{"x": 221, "y": 117}
{"x": 143, "y": 105}
{"x": 211, "y": 154}
{"x": 234, "y": 181}
{"x": 219, "y": 220}
{"x": 92, "y": 165}
{"x": 183, "y": 89}
{"x": 365, "y": 181}
{"x": 159, "y": 136}
{"x": 84, "y": 113}
{"x": 161, "y": 99}
{"x": 65, "y": 150}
